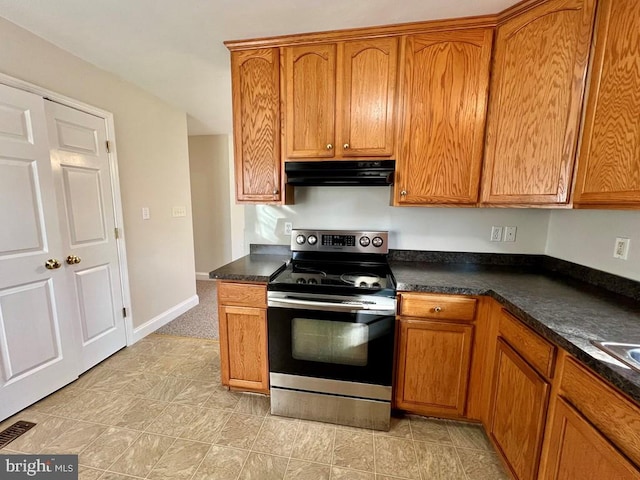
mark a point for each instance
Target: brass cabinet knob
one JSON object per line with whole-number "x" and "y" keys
{"x": 437, "y": 309}
{"x": 276, "y": 191}
{"x": 345, "y": 146}
{"x": 329, "y": 146}
{"x": 73, "y": 260}
{"x": 403, "y": 193}
{"x": 52, "y": 264}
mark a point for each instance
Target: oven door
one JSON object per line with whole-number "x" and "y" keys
{"x": 329, "y": 337}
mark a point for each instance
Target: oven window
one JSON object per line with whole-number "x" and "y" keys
{"x": 343, "y": 343}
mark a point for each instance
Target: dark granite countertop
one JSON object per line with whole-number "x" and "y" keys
{"x": 255, "y": 267}
{"x": 543, "y": 292}
{"x": 568, "y": 312}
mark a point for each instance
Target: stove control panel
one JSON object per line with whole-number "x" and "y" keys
{"x": 339, "y": 241}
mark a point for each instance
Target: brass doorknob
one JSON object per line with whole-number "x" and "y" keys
{"x": 329, "y": 146}
{"x": 73, "y": 260}
{"x": 52, "y": 264}
{"x": 345, "y": 146}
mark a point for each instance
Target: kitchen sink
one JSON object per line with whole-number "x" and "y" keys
{"x": 627, "y": 353}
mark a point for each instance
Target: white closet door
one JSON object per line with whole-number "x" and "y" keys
{"x": 37, "y": 342}
{"x": 82, "y": 176}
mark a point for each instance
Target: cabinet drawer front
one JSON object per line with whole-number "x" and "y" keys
{"x": 443, "y": 307}
{"x": 609, "y": 411}
{"x": 242, "y": 294}
{"x": 533, "y": 348}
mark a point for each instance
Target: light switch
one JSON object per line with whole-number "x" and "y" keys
{"x": 145, "y": 213}
{"x": 179, "y": 212}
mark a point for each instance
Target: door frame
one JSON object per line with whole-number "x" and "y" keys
{"x": 115, "y": 183}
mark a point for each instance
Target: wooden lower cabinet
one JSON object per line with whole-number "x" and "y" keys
{"x": 579, "y": 451}
{"x": 519, "y": 410}
{"x": 433, "y": 367}
{"x": 243, "y": 338}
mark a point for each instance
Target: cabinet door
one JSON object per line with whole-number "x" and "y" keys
{"x": 444, "y": 94}
{"x": 243, "y": 348}
{"x": 518, "y": 412}
{"x": 433, "y": 367}
{"x": 577, "y": 450}
{"x": 609, "y": 164}
{"x": 537, "y": 88}
{"x": 366, "y": 97}
{"x": 310, "y": 96}
{"x": 255, "y": 80}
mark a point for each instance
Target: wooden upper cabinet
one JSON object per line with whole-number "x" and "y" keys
{"x": 537, "y": 88}
{"x": 340, "y": 99}
{"x": 444, "y": 93}
{"x": 366, "y": 97}
{"x": 255, "y": 80}
{"x": 609, "y": 161}
{"x": 310, "y": 78}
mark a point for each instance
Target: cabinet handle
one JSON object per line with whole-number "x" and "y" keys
{"x": 329, "y": 146}
{"x": 346, "y": 146}
{"x": 403, "y": 193}
{"x": 276, "y": 191}
{"x": 437, "y": 309}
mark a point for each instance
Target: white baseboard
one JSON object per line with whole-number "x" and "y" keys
{"x": 164, "y": 318}
{"x": 202, "y": 276}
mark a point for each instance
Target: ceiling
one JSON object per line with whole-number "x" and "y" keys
{"x": 174, "y": 49}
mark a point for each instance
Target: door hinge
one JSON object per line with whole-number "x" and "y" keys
{"x": 108, "y": 146}
{"x": 124, "y": 312}
{"x": 116, "y": 232}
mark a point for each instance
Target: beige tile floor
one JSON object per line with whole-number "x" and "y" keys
{"x": 157, "y": 410}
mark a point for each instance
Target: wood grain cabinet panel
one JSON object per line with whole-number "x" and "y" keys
{"x": 310, "y": 76}
{"x": 433, "y": 367}
{"x": 340, "y": 99}
{"x": 244, "y": 361}
{"x": 366, "y": 97}
{"x": 537, "y": 88}
{"x": 519, "y": 410}
{"x": 255, "y": 81}
{"x": 444, "y": 92}
{"x": 617, "y": 417}
{"x": 579, "y": 451}
{"x": 609, "y": 162}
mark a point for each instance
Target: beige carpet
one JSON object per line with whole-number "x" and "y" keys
{"x": 202, "y": 320}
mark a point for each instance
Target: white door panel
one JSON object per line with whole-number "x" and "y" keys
{"x": 28, "y": 318}
{"x": 83, "y": 205}
{"x": 87, "y": 220}
{"x": 36, "y": 335}
{"x": 97, "y": 316}
{"x": 22, "y": 214}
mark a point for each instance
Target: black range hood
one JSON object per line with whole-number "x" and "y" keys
{"x": 340, "y": 173}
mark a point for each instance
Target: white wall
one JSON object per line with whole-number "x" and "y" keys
{"x": 151, "y": 140}
{"x": 587, "y": 237}
{"x": 414, "y": 228}
{"x": 210, "y": 200}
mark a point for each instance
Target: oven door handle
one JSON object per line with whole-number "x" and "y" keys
{"x": 315, "y": 305}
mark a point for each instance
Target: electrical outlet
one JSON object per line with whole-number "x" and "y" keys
{"x": 510, "y": 234}
{"x": 288, "y": 227}
{"x": 179, "y": 212}
{"x": 621, "y": 248}
{"x": 145, "y": 213}
{"x": 496, "y": 234}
